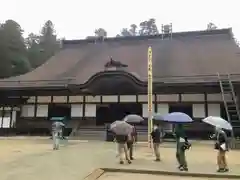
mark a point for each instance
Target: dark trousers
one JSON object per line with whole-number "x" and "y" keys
{"x": 130, "y": 149}
{"x": 181, "y": 158}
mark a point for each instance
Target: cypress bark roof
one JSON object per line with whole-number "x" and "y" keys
{"x": 188, "y": 56}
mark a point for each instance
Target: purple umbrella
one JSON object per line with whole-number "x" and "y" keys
{"x": 121, "y": 128}
{"x": 175, "y": 117}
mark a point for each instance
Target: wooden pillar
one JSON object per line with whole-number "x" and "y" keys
{"x": 69, "y": 106}
{"x": 155, "y": 103}
{"x": 11, "y": 118}
{"x": 51, "y": 99}
{"x": 35, "y": 107}
{"x": 3, "y": 113}
{"x": 68, "y": 99}
{"x": 19, "y": 115}
{"x": 180, "y": 97}
{"x": 205, "y": 104}
{"x": 118, "y": 98}
{"x": 84, "y": 107}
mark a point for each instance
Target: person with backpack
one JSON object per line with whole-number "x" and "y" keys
{"x": 182, "y": 146}
{"x": 122, "y": 148}
{"x": 222, "y": 146}
{"x": 130, "y": 142}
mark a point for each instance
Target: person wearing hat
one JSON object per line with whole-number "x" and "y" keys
{"x": 222, "y": 147}
{"x": 182, "y": 146}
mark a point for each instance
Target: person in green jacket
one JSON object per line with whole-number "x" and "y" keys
{"x": 182, "y": 145}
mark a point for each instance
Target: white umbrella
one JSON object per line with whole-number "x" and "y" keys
{"x": 218, "y": 122}
{"x": 133, "y": 118}
{"x": 113, "y": 125}
{"x": 121, "y": 128}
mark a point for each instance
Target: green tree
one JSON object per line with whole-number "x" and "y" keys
{"x": 5, "y": 63}
{"x": 34, "y": 50}
{"x": 20, "y": 65}
{"x": 100, "y": 32}
{"x": 14, "y": 50}
{"x": 132, "y": 31}
{"x": 148, "y": 27}
{"x": 125, "y": 32}
{"x": 48, "y": 42}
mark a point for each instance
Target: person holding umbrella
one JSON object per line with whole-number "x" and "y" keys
{"x": 130, "y": 142}
{"x": 132, "y": 137}
{"x": 222, "y": 142}
{"x": 122, "y": 129}
{"x": 222, "y": 147}
{"x": 178, "y": 118}
{"x": 56, "y": 134}
{"x": 122, "y": 148}
{"x": 156, "y": 138}
{"x": 182, "y": 146}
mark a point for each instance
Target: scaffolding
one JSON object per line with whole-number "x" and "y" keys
{"x": 167, "y": 31}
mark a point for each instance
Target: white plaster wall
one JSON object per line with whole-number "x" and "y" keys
{"x": 27, "y": 111}
{"x": 168, "y": 98}
{"x": 76, "y": 110}
{"x": 163, "y": 109}
{"x": 198, "y": 110}
{"x": 192, "y": 97}
{"x": 214, "y": 110}
{"x": 112, "y": 98}
{"x": 90, "y": 110}
{"x": 128, "y": 98}
{"x": 42, "y": 111}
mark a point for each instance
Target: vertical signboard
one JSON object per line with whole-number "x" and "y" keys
{"x": 149, "y": 94}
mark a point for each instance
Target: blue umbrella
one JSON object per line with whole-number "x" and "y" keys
{"x": 158, "y": 117}
{"x": 175, "y": 117}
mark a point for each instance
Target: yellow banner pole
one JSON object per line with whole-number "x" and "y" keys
{"x": 149, "y": 95}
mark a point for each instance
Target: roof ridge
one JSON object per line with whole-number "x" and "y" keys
{"x": 134, "y": 38}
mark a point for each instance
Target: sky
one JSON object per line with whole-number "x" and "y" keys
{"x": 76, "y": 19}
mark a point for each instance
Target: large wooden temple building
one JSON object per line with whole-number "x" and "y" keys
{"x": 93, "y": 82}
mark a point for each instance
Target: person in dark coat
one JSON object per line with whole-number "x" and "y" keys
{"x": 182, "y": 146}
{"x": 156, "y": 138}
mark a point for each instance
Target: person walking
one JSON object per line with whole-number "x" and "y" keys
{"x": 222, "y": 147}
{"x": 122, "y": 148}
{"x": 182, "y": 146}
{"x": 130, "y": 142}
{"x": 56, "y": 134}
{"x": 64, "y": 121}
{"x": 156, "y": 138}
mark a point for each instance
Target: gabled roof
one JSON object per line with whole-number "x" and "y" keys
{"x": 188, "y": 56}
